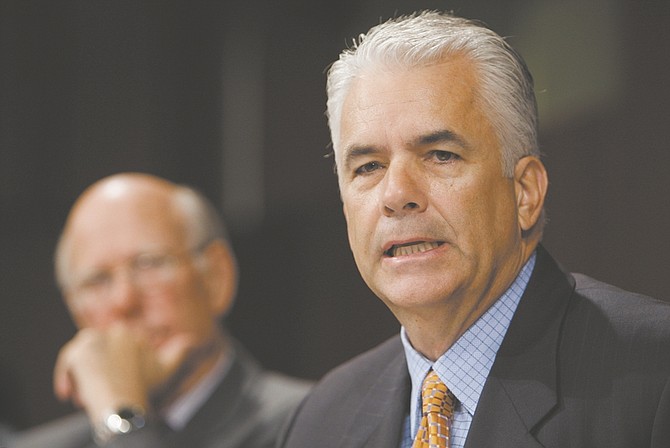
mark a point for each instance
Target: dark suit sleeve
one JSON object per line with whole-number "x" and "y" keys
{"x": 153, "y": 435}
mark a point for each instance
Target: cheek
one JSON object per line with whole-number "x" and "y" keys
{"x": 180, "y": 306}
{"x": 357, "y": 226}
{"x": 92, "y": 317}
{"x": 477, "y": 212}
{"x": 356, "y": 234}
{"x": 350, "y": 217}
{"x": 164, "y": 305}
{"x": 496, "y": 217}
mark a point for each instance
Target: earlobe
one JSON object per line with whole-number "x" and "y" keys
{"x": 531, "y": 182}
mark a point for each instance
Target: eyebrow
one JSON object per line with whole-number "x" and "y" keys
{"x": 353, "y": 152}
{"x": 441, "y": 136}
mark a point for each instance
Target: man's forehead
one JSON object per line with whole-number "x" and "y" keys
{"x": 125, "y": 219}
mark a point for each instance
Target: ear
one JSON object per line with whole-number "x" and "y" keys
{"x": 530, "y": 184}
{"x": 220, "y": 276}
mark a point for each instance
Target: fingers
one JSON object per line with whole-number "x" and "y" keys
{"x": 102, "y": 369}
{"x": 62, "y": 381}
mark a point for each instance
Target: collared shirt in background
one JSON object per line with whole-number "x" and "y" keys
{"x": 177, "y": 415}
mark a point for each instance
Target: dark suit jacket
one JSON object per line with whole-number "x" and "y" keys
{"x": 583, "y": 364}
{"x": 247, "y": 410}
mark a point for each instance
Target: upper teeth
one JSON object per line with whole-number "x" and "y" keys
{"x": 413, "y": 249}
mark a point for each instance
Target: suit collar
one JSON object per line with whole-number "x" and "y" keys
{"x": 522, "y": 386}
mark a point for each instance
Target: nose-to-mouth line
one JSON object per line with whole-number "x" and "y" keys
{"x": 413, "y": 247}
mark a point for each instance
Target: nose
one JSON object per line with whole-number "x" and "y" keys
{"x": 403, "y": 191}
{"x": 124, "y": 296}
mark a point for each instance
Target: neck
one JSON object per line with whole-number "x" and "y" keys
{"x": 432, "y": 330}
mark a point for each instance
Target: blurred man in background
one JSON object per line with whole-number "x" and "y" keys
{"x": 147, "y": 273}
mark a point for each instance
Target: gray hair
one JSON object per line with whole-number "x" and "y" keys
{"x": 428, "y": 37}
{"x": 202, "y": 220}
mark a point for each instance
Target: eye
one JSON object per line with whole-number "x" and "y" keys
{"x": 95, "y": 281}
{"x": 147, "y": 262}
{"x": 368, "y": 168}
{"x": 444, "y": 156}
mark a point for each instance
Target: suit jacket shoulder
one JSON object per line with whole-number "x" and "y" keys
{"x": 583, "y": 364}
{"x": 249, "y": 409}
{"x": 359, "y": 404}
{"x": 67, "y": 432}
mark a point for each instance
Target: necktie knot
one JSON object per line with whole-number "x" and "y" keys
{"x": 436, "y": 396}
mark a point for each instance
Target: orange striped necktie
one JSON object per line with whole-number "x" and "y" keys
{"x": 437, "y": 413}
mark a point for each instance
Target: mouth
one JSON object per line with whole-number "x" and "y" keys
{"x": 416, "y": 247}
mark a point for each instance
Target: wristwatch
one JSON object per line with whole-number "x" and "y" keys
{"x": 124, "y": 420}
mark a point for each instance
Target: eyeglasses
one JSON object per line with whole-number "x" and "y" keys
{"x": 145, "y": 271}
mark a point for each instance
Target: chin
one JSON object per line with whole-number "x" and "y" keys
{"x": 419, "y": 290}
{"x": 411, "y": 300}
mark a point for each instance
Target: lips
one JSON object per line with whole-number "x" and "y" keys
{"x": 415, "y": 247}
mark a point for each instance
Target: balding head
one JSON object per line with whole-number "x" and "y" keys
{"x": 111, "y": 205}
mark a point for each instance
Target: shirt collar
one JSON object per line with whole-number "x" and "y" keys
{"x": 179, "y": 413}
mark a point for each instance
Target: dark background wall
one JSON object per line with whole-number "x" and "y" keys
{"x": 229, "y": 97}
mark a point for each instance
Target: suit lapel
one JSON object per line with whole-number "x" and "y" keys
{"x": 379, "y": 419}
{"x": 522, "y": 386}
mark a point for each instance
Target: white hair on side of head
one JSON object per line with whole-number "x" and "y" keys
{"x": 202, "y": 221}
{"x": 429, "y": 37}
